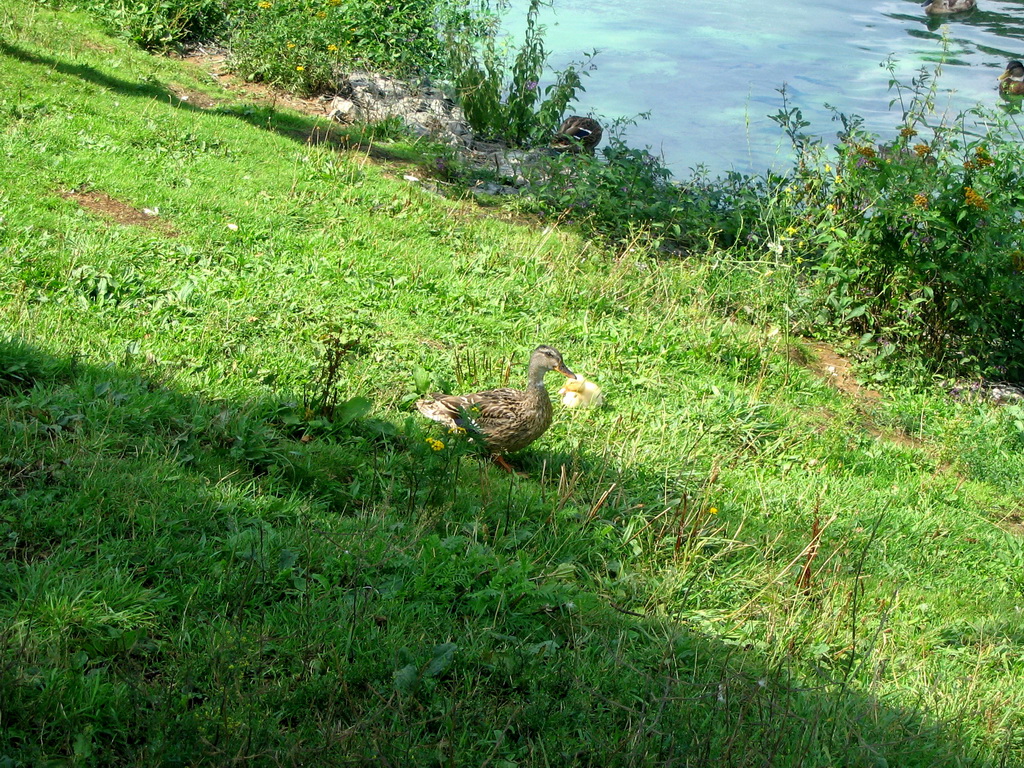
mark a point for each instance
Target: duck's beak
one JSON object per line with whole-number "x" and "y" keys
{"x": 565, "y": 371}
{"x": 1005, "y": 75}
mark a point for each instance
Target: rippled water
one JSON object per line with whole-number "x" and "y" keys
{"x": 708, "y": 70}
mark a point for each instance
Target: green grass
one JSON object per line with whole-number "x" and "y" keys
{"x": 197, "y": 569}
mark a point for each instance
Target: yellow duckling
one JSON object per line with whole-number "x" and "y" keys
{"x": 579, "y": 392}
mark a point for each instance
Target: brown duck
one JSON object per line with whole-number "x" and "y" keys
{"x": 505, "y": 419}
{"x": 577, "y": 134}
{"x": 948, "y": 7}
{"x": 1012, "y": 80}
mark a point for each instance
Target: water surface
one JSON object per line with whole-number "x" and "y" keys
{"x": 708, "y": 71}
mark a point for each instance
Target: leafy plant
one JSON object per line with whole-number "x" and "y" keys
{"x": 505, "y": 101}
{"x": 159, "y": 23}
{"x": 628, "y": 193}
{"x": 915, "y": 244}
{"x": 303, "y": 46}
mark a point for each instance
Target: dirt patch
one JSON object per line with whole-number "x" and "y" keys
{"x": 121, "y": 213}
{"x": 197, "y": 99}
{"x": 838, "y": 372}
{"x": 325, "y": 133}
{"x": 1014, "y": 523}
{"x": 215, "y": 65}
{"x": 95, "y": 46}
{"x": 265, "y": 94}
{"x": 893, "y": 436}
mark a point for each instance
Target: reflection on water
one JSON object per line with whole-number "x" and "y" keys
{"x": 709, "y": 71}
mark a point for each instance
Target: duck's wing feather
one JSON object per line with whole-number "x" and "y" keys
{"x": 480, "y": 410}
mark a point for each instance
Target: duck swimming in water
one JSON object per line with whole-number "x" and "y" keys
{"x": 1012, "y": 79}
{"x": 948, "y": 7}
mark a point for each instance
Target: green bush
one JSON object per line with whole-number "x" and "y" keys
{"x": 296, "y": 45}
{"x": 916, "y": 244}
{"x": 301, "y": 46}
{"x": 161, "y": 23}
{"x": 624, "y": 193}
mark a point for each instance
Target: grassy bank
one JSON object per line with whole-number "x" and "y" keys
{"x": 225, "y": 538}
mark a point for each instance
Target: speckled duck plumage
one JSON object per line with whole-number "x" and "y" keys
{"x": 948, "y": 7}
{"x": 577, "y": 134}
{"x": 1012, "y": 79}
{"x": 505, "y": 419}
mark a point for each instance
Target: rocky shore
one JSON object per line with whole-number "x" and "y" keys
{"x": 365, "y": 97}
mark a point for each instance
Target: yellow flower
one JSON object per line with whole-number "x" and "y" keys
{"x": 322, "y": 15}
{"x": 922, "y": 149}
{"x": 300, "y": 68}
{"x": 332, "y": 47}
{"x": 264, "y": 4}
{"x": 435, "y": 445}
{"x": 920, "y": 201}
{"x": 906, "y": 132}
{"x": 713, "y": 510}
{"x": 290, "y": 46}
{"x": 973, "y": 198}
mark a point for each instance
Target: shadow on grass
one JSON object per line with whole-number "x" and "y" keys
{"x": 305, "y": 130}
{"x": 194, "y": 582}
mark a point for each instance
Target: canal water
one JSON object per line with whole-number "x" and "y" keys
{"x": 708, "y": 71}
